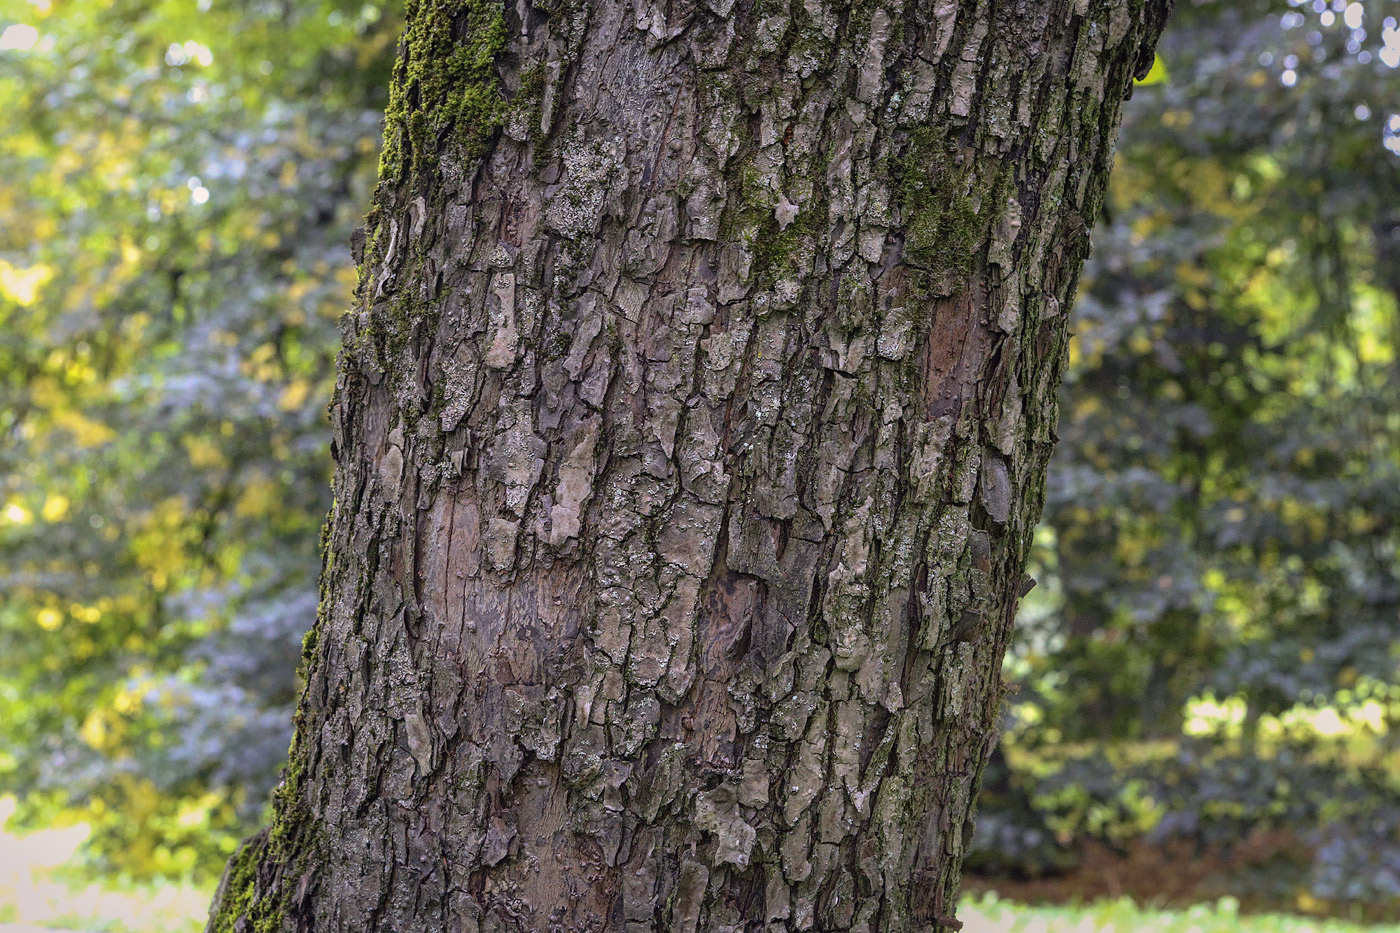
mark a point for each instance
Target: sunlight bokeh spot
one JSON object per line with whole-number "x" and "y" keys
{"x": 19, "y": 37}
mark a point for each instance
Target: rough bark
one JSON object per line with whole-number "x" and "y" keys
{"x": 691, "y": 432}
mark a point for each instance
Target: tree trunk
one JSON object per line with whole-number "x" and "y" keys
{"x": 691, "y": 432}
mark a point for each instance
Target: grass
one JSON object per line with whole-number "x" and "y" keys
{"x": 182, "y": 909}
{"x": 35, "y": 898}
{"x": 989, "y": 914}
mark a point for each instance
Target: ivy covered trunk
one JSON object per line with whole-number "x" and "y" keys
{"x": 691, "y": 431}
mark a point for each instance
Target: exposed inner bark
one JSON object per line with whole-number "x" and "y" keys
{"x": 691, "y": 432}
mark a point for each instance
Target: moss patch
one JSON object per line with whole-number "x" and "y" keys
{"x": 237, "y": 892}
{"x": 248, "y": 901}
{"x": 772, "y": 246}
{"x": 947, "y": 204}
{"x": 444, "y": 84}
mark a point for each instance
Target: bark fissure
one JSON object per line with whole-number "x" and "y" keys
{"x": 690, "y": 432}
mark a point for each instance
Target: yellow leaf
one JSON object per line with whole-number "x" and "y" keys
{"x": 22, "y": 285}
{"x": 203, "y": 453}
{"x": 55, "y": 507}
{"x": 88, "y": 614}
{"x": 258, "y": 498}
{"x": 294, "y": 395}
{"x": 94, "y": 730}
{"x": 86, "y": 432}
{"x": 1158, "y": 74}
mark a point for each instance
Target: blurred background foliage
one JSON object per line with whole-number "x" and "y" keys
{"x": 1212, "y": 654}
{"x": 1209, "y": 668}
{"x": 178, "y": 182}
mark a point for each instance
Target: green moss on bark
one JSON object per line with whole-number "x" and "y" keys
{"x": 773, "y": 245}
{"x": 237, "y": 896}
{"x": 249, "y": 899}
{"x": 948, "y": 203}
{"x": 445, "y": 84}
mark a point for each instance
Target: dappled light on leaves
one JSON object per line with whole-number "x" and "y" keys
{"x": 1217, "y": 624}
{"x": 178, "y": 182}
